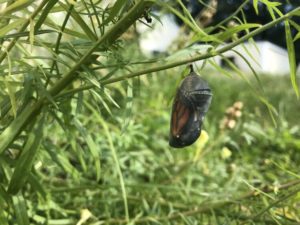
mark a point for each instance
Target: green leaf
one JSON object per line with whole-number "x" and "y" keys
{"x": 16, "y": 6}
{"x": 297, "y": 37}
{"x": 250, "y": 66}
{"x": 85, "y": 27}
{"x": 44, "y": 14}
{"x": 19, "y": 204}
{"x": 99, "y": 97}
{"x": 272, "y": 111}
{"x": 229, "y": 32}
{"x": 219, "y": 68}
{"x": 272, "y": 6}
{"x": 3, "y": 195}
{"x": 296, "y": 13}
{"x": 255, "y": 6}
{"x": 62, "y": 160}
{"x": 223, "y": 36}
{"x": 292, "y": 57}
{"x": 71, "y": 32}
{"x": 24, "y": 34}
{"x": 4, "y": 199}
{"x": 114, "y": 11}
{"x": 37, "y": 185}
{"x": 297, "y": 27}
{"x": 27, "y": 157}
{"x": 11, "y": 26}
{"x": 128, "y": 108}
{"x": 11, "y": 95}
{"x": 94, "y": 149}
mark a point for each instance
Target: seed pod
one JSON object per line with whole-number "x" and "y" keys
{"x": 190, "y": 105}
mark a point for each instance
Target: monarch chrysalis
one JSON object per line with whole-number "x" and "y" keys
{"x": 190, "y": 105}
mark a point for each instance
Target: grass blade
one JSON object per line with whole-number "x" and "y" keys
{"x": 11, "y": 26}
{"x": 19, "y": 204}
{"x": 44, "y": 14}
{"x": 16, "y": 6}
{"x": 292, "y": 57}
{"x": 3, "y": 201}
{"x": 94, "y": 149}
{"x": 26, "y": 159}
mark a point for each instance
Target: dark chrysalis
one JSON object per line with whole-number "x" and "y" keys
{"x": 190, "y": 105}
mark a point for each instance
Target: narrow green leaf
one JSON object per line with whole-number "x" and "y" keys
{"x": 296, "y": 13}
{"x": 219, "y": 68}
{"x": 297, "y": 37}
{"x": 128, "y": 108}
{"x": 80, "y": 21}
{"x": 62, "y": 160}
{"x": 109, "y": 97}
{"x": 255, "y": 6}
{"x": 11, "y": 26}
{"x": 272, "y": 111}
{"x": 115, "y": 10}
{"x": 250, "y": 53}
{"x": 19, "y": 204}
{"x": 94, "y": 149}
{"x": 229, "y": 32}
{"x": 10, "y": 88}
{"x": 251, "y": 68}
{"x": 295, "y": 25}
{"x": 25, "y": 34}
{"x": 44, "y": 14}
{"x": 43, "y": 92}
{"x": 37, "y": 185}
{"x": 99, "y": 97}
{"x": 31, "y": 33}
{"x": 71, "y": 32}
{"x": 4, "y": 200}
{"x": 292, "y": 57}
{"x": 3, "y": 194}
{"x": 234, "y": 68}
{"x": 188, "y": 20}
{"x": 272, "y": 6}
{"x": 3, "y": 213}
{"x": 27, "y": 157}
{"x": 16, "y": 6}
